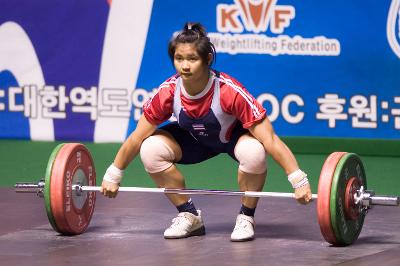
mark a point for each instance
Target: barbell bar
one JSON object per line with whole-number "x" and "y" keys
{"x": 69, "y": 192}
{"x": 366, "y": 198}
{"x": 77, "y": 188}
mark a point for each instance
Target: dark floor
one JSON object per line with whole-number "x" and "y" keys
{"x": 128, "y": 231}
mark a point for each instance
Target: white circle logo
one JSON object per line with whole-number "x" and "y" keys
{"x": 393, "y": 27}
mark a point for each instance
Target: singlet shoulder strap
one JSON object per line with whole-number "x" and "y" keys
{"x": 225, "y": 120}
{"x": 177, "y": 98}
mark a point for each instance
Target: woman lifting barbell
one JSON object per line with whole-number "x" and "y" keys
{"x": 215, "y": 114}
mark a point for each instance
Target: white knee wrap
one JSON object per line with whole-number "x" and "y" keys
{"x": 251, "y": 155}
{"x": 156, "y": 155}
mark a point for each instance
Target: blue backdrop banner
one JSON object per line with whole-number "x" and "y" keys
{"x": 81, "y": 70}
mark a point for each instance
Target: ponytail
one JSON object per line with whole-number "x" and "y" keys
{"x": 193, "y": 33}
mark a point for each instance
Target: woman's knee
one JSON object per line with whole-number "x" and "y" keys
{"x": 251, "y": 155}
{"x": 156, "y": 154}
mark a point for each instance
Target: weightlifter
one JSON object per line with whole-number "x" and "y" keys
{"x": 215, "y": 114}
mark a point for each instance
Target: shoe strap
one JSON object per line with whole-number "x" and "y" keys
{"x": 182, "y": 215}
{"x": 246, "y": 218}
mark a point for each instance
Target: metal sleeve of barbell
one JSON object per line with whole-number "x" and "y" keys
{"x": 385, "y": 200}
{"x": 28, "y": 187}
{"x": 198, "y": 192}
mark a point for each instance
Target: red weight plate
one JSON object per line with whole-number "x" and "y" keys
{"x": 346, "y": 230}
{"x": 351, "y": 210}
{"x": 324, "y": 193}
{"x": 72, "y": 213}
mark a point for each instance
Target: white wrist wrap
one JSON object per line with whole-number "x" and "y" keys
{"x": 298, "y": 179}
{"x": 113, "y": 174}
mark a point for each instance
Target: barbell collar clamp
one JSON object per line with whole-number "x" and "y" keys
{"x": 367, "y": 198}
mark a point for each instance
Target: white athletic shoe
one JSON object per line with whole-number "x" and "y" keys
{"x": 184, "y": 225}
{"x": 244, "y": 228}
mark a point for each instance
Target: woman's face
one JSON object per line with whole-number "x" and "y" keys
{"x": 188, "y": 63}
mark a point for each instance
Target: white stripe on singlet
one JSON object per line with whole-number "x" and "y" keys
{"x": 245, "y": 95}
{"x": 167, "y": 83}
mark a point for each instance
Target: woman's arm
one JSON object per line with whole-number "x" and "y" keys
{"x": 274, "y": 146}
{"x": 128, "y": 151}
{"x": 131, "y": 147}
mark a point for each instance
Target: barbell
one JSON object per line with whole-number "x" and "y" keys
{"x": 69, "y": 188}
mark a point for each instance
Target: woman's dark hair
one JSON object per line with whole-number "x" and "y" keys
{"x": 193, "y": 33}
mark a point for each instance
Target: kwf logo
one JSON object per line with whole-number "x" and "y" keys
{"x": 254, "y": 15}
